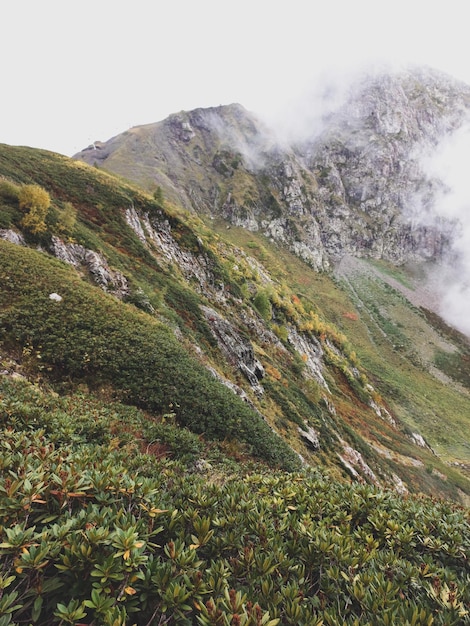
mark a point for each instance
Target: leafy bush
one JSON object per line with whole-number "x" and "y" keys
{"x": 182, "y": 443}
{"x": 186, "y": 304}
{"x": 8, "y": 216}
{"x": 67, "y": 218}
{"x": 35, "y": 201}
{"x": 9, "y": 192}
{"x": 263, "y": 305}
{"x": 82, "y": 538}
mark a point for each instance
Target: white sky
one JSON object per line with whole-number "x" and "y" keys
{"x": 75, "y": 72}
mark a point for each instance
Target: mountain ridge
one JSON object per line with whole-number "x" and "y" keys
{"x": 198, "y": 428}
{"x": 352, "y": 188}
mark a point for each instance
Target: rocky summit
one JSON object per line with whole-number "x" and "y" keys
{"x": 355, "y": 185}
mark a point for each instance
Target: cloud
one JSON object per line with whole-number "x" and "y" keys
{"x": 450, "y": 164}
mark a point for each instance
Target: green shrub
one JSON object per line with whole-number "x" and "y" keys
{"x": 186, "y": 304}
{"x": 35, "y": 202}
{"x": 8, "y": 216}
{"x": 9, "y": 192}
{"x": 182, "y": 443}
{"x": 86, "y": 540}
{"x": 93, "y": 338}
{"x": 262, "y": 304}
{"x": 67, "y": 217}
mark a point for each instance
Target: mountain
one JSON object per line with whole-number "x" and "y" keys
{"x": 349, "y": 187}
{"x": 198, "y": 426}
{"x": 234, "y": 326}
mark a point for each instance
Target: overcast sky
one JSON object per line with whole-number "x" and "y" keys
{"x": 75, "y": 72}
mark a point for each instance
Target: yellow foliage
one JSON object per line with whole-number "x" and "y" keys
{"x": 67, "y": 218}
{"x": 36, "y": 201}
{"x": 34, "y": 197}
{"x": 33, "y": 223}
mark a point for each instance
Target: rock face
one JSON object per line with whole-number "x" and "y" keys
{"x": 12, "y": 236}
{"x": 238, "y": 351}
{"x": 368, "y": 165}
{"x": 352, "y": 189}
{"x": 311, "y": 436}
{"x": 108, "y": 279}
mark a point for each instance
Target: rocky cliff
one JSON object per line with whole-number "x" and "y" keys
{"x": 351, "y": 187}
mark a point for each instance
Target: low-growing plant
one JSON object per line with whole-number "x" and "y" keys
{"x": 9, "y": 192}
{"x": 84, "y": 539}
{"x": 262, "y": 304}
{"x": 181, "y": 442}
{"x": 35, "y": 202}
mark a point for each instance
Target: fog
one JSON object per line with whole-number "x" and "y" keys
{"x": 306, "y": 114}
{"x": 74, "y": 73}
{"x": 450, "y": 163}
{"x": 446, "y": 204}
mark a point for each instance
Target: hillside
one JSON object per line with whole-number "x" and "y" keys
{"x": 235, "y": 345}
{"x": 200, "y": 429}
{"x": 98, "y": 529}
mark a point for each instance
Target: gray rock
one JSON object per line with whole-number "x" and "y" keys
{"x": 108, "y": 279}
{"x": 311, "y": 437}
{"x": 356, "y": 188}
{"x": 12, "y": 236}
{"x": 310, "y": 348}
{"x": 237, "y": 350}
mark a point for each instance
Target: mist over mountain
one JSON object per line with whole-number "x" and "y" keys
{"x": 355, "y": 181}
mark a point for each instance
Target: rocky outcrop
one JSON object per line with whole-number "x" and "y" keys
{"x": 310, "y": 349}
{"x": 108, "y": 279}
{"x": 368, "y": 166}
{"x": 12, "y": 236}
{"x": 311, "y": 437}
{"x": 237, "y": 350}
{"x": 195, "y": 265}
{"x": 354, "y": 462}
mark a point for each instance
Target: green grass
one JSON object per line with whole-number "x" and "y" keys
{"x": 137, "y": 489}
{"x": 108, "y": 351}
{"x": 395, "y": 343}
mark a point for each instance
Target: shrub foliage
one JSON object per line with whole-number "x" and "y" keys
{"x": 35, "y": 202}
{"x": 87, "y": 539}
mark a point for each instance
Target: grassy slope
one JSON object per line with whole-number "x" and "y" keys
{"x": 289, "y": 398}
{"x": 91, "y": 337}
{"x": 104, "y": 516}
{"x": 98, "y": 527}
{"x": 424, "y": 404}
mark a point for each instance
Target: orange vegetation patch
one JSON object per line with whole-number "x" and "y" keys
{"x": 273, "y": 372}
{"x": 351, "y": 316}
{"x": 156, "y": 449}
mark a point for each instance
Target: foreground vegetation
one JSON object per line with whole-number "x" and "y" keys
{"x": 99, "y": 526}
